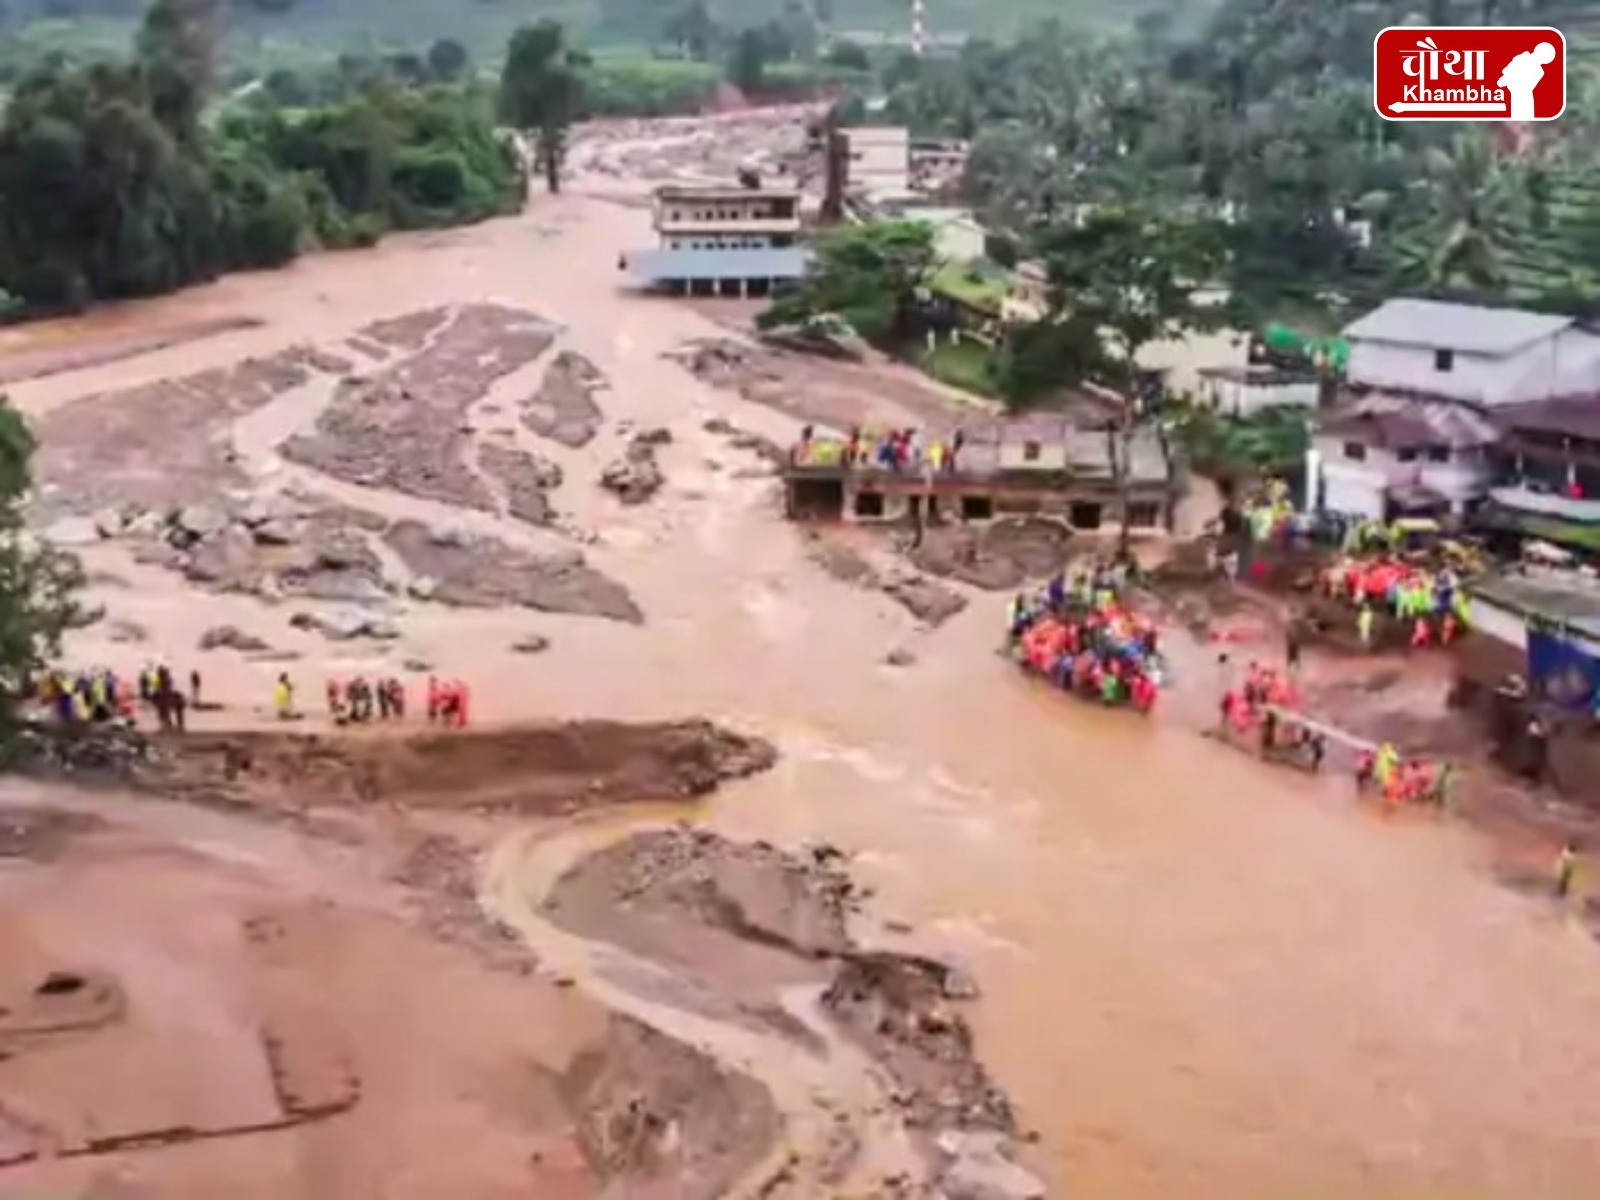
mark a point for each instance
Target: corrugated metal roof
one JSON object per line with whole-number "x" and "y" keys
{"x": 1437, "y": 325}
{"x": 766, "y": 262}
{"x": 1400, "y": 421}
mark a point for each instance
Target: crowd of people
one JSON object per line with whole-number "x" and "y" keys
{"x": 1431, "y": 602}
{"x": 99, "y": 696}
{"x": 1264, "y": 705}
{"x": 1400, "y": 780}
{"x": 1080, "y": 636}
{"x": 898, "y": 450}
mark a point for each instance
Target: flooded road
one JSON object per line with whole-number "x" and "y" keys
{"x": 1200, "y": 978}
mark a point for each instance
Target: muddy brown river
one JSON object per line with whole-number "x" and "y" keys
{"x": 1200, "y": 978}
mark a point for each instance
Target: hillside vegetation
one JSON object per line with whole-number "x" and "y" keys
{"x": 273, "y": 31}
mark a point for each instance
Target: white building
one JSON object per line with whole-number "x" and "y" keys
{"x": 1412, "y": 434}
{"x": 1245, "y": 391}
{"x": 1383, "y": 455}
{"x": 1480, "y": 356}
{"x": 877, "y": 161}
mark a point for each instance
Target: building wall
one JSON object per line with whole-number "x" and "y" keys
{"x": 879, "y": 159}
{"x": 712, "y": 210}
{"x": 1025, "y": 455}
{"x": 1241, "y": 398}
{"x": 716, "y": 240}
{"x": 1564, "y": 364}
{"x": 1357, "y": 487}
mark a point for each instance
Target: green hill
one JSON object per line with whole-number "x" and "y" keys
{"x": 279, "y": 32}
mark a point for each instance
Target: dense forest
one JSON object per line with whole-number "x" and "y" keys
{"x": 117, "y": 180}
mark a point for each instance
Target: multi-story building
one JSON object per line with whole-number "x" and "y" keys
{"x": 1411, "y": 430}
{"x": 722, "y": 241}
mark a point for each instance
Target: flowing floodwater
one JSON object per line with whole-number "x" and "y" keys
{"x": 1201, "y": 978}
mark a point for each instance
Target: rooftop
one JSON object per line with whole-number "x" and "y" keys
{"x": 1436, "y": 325}
{"x": 1574, "y": 416}
{"x": 724, "y": 191}
{"x": 1570, "y": 600}
{"x": 1394, "y": 421}
{"x": 772, "y": 262}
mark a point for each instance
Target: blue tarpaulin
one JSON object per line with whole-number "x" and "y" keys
{"x": 1562, "y": 670}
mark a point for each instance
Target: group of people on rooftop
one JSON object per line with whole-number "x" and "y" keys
{"x": 899, "y": 450}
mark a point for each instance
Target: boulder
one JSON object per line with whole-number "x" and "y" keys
{"x": 200, "y": 521}
{"x": 273, "y": 532}
{"x": 978, "y": 1169}
{"x": 72, "y": 532}
{"x": 899, "y": 657}
{"x": 346, "y": 624}
{"x": 634, "y": 478}
{"x": 532, "y": 644}
{"x": 655, "y": 435}
{"x": 229, "y": 637}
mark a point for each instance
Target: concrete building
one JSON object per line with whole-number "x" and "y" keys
{"x": 875, "y": 161}
{"x": 1381, "y": 455}
{"x": 1021, "y": 467}
{"x": 1546, "y": 473}
{"x": 728, "y": 241}
{"x": 1411, "y": 431}
{"x": 1480, "y": 356}
{"x": 1243, "y": 391}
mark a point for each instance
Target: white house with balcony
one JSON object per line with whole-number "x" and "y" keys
{"x": 1411, "y": 432}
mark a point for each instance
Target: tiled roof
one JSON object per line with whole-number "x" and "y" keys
{"x": 1574, "y": 416}
{"x": 1397, "y": 422}
{"x": 1434, "y": 324}
{"x": 769, "y": 262}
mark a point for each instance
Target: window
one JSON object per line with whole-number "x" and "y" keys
{"x": 1355, "y": 452}
{"x": 1438, "y": 454}
{"x": 1084, "y": 515}
{"x": 1406, "y": 454}
{"x": 1143, "y": 515}
{"x": 1032, "y": 451}
{"x": 1444, "y": 360}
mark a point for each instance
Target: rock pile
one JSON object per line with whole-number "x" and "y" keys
{"x": 930, "y": 601}
{"x": 526, "y": 480}
{"x": 564, "y": 408}
{"x": 404, "y": 428}
{"x": 484, "y": 572}
{"x": 637, "y": 476}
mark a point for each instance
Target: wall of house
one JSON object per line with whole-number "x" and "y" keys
{"x": 780, "y": 210}
{"x": 1025, "y": 455}
{"x": 1241, "y": 398}
{"x": 879, "y": 159}
{"x": 1356, "y": 487}
{"x": 714, "y": 240}
{"x": 1561, "y": 365}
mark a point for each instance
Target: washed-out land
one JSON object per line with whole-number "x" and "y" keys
{"x": 756, "y": 874}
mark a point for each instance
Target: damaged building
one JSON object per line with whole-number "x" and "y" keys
{"x": 1089, "y": 478}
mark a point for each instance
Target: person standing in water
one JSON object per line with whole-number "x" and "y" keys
{"x": 1566, "y": 870}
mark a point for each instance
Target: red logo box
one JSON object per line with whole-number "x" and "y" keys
{"x": 1469, "y": 73}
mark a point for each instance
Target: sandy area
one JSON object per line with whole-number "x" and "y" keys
{"x": 472, "y": 452}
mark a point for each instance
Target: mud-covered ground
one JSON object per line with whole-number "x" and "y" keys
{"x": 306, "y": 990}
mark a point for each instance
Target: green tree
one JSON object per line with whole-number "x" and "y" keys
{"x": 872, "y": 275}
{"x": 693, "y": 31}
{"x": 1128, "y": 274}
{"x": 447, "y": 60}
{"x": 747, "y": 62}
{"x": 38, "y": 584}
{"x": 541, "y": 92}
{"x": 177, "y": 49}
{"x": 849, "y": 56}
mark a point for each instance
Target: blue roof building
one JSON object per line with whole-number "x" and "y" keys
{"x": 721, "y": 241}
{"x": 718, "y": 271}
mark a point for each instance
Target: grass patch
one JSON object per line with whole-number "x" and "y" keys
{"x": 963, "y": 364}
{"x": 969, "y": 286}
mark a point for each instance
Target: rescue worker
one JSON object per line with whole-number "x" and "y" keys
{"x": 435, "y": 699}
{"x": 194, "y": 688}
{"x": 384, "y": 712}
{"x": 283, "y": 697}
{"x": 335, "y": 691}
{"x": 1364, "y": 626}
{"x": 1566, "y": 870}
{"x": 397, "y": 698}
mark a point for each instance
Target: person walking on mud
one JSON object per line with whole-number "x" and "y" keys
{"x": 1566, "y": 870}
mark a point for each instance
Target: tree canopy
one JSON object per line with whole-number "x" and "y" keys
{"x": 871, "y": 275}
{"x": 541, "y": 92}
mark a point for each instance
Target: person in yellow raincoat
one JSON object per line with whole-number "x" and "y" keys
{"x": 283, "y": 697}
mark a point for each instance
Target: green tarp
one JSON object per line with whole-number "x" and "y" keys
{"x": 1284, "y": 340}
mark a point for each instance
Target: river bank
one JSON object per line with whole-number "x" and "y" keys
{"x": 1195, "y": 976}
